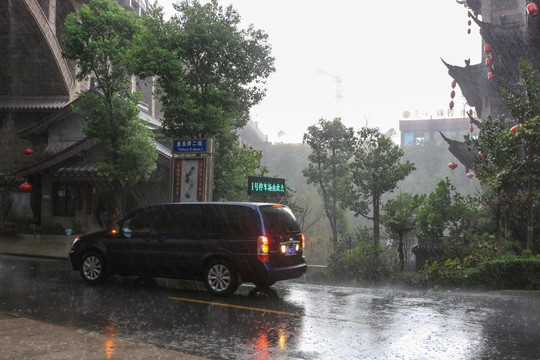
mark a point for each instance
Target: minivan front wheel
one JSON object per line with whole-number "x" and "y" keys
{"x": 93, "y": 268}
{"x": 221, "y": 278}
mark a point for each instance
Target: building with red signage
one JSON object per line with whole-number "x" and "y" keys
{"x": 48, "y": 169}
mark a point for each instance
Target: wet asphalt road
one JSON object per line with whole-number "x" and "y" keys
{"x": 302, "y": 322}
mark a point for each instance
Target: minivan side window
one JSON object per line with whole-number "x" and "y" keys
{"x": 182, "y": 220}
{"x": 141, "y": 222}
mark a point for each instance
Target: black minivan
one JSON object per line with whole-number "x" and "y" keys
{"x": 220, "y": 243}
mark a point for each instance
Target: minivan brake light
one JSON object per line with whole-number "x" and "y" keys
{"x": 262, "y": 248}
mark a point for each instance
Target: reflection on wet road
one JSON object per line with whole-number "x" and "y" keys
{"x": 302, "y": 322}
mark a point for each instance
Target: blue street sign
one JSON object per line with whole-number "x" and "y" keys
{"x": 190, "y": 146}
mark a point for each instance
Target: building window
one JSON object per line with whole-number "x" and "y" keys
{"x": 64, "y": 199}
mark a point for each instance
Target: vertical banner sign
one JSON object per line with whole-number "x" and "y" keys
{"x": 188, "y": 180}
{"x": 192, "y": 168}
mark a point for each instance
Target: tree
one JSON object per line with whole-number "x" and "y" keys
{"x": 98, "y": 39}
{"x": 436, "y": 214}
{"x": 499, "y": 148}
{"x": 230, "y": 183}
{"x": 399, "y": 218}
{"x": 331, "y": 145}
{"x": 375, "y": 170}
{"x": 209, "y": 74}
{"x": 509, "y": 165}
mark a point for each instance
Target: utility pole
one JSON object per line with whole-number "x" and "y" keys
{"x": 339, "y": 88}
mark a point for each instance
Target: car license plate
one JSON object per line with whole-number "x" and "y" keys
{"x": 290, "y": 250}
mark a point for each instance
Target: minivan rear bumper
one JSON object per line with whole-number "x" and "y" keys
{"x": 286, "y": 273}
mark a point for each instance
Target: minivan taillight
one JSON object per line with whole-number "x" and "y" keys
{"x": 262, "y": 248}
{"x": 303, "y": 245}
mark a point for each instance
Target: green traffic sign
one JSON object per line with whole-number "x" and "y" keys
{"x": 265, "y": 186}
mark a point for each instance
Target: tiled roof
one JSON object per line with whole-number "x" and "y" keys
{"x": 58, "y": 154}
{"x": 163, "y": 149}
{"x": 53, "y": 149}
{"x": 33, "y": 103}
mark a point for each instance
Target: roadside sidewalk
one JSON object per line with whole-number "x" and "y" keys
{"x": 35, "y": 340}
{"x": 29, "y": 339}
{"x": 46, "y": 246}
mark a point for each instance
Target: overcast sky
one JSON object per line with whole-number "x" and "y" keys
{"x": 386, "y": 53}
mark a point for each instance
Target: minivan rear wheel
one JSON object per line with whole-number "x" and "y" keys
{"x": 93, "y": 268}
{"x": 221, "y": 278}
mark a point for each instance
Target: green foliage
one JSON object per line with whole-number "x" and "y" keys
{"x": 376, "y": 168}
{"x": 210, "y": 72}
{"x": 338, "y": 265}
{"x": 482, "y": 250}
{"x": 510, "y": 163}
{"x": 400, "y": 214}
{"x": 99, "y": 38}
{"x": 437, "y": 213}
{"x": 400, "y": 218}
{"x": 331, "y": 145}
{"x": 233, "y": 164}
{"x": 127, "y": 145}
{"x": 370, "y": 262}
{"x": 510, "y": 273}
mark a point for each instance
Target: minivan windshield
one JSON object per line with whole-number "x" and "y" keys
{"x": 280, "y": 220}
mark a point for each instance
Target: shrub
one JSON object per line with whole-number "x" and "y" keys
{"x": 337, "y": 265}
{"x": 510, "y": 273}
{"x": 370, "y": 262}
{"x": 514, "y": 273}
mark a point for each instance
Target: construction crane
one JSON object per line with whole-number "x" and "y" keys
{"x": 339, "y": 87}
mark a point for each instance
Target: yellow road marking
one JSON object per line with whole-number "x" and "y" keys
{"x": 237, "y": 306}
{"x": 269, "y": 311}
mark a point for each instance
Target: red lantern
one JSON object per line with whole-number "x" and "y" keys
{"x": 452, "y": 94}
{"x": 471, "y": 129}
{"x": 468, "y": 31}
{"x": 470, "y": 112}
{"x": 489, "y": 61}
{"x": 26, "y": 187}
{"x": 454, "y": 84}
{"x": 470, "y": 175}
{"x": 469, "y": 22}
{"x": 487, "y": 48}
{"x": 451, "y": 105}
{"x": 452, "y": 165}
{"x": 491, "y": 76}
{"x": 532, "y": 9}
{"x": 514, "y": 129}
{"x": 28, "y": 151}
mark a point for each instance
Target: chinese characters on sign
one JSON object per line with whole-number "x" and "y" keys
{"x": 190, "y": 146}
{"x": 188, "y": 180}
{"x": 266, "y": 186}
